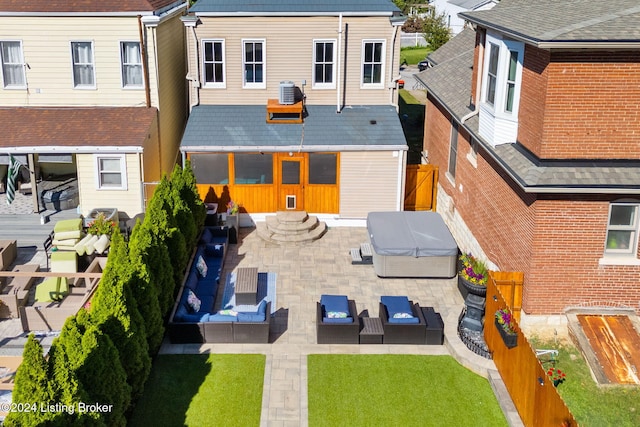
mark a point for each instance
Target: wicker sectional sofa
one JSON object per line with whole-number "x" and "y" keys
{"x": 204, "y": 325}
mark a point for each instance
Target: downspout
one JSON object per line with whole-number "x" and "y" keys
{"x": 477, "y": 95}
{"x": 392, "y": 85}
{"x": 145, "y": 71}
{"x": 338, "y": 104}
{"x": 195, "y": 83}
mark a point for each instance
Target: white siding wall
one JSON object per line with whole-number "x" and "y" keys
{"x": 128, "y": 201}
{"x": 368, "y": 182}
{"x": 289, "y": 56}
{"x": 47, "y": 51}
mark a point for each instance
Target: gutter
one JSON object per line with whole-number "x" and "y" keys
{"x": 252, "y": 14}
{"x": 288, "y": 148}
{"x": 339, "y": 56}
{"x": 56, "y": 149}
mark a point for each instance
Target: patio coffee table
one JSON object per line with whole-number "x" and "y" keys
{"x": 372, "y": 331}
{"x": 246, "y": 285}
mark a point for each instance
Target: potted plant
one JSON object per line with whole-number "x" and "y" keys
{"x": 504, "y": 324}
{"x": 556, "y": 376}
{"x": 232, "y": 220}
{"x": 472, "y": 277}
{"x": 101, "y": 225}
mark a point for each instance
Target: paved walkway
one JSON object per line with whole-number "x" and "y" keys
{"x": 324, "y": 267}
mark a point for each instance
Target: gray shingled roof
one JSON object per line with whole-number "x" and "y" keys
{"x": 450, "y": 80}
{"x": 468, "y": 4}
{"x": 450, "y": 83}
{"x": 293, "y": 6}
{"x": 244, "y": 128}
{"x": 554, "y": 21}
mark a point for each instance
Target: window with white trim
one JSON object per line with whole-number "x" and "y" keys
{"x": 253, "y": 62}
{"x": 324, "y": 68}
{"x": 13, "y": 73}
{"x": 111, "y": 172}
{"x": 131, "y": 60}
{"x": 492, "y": 73}
{"x": 83, "y": 65}
{"x": 622, "y": 229}
{"x": 213, "y": 63}
{"x": 373, "y": 63}
{"x": 453, "y": 150}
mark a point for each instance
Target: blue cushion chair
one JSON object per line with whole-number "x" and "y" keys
{"x": 402, "y": 321}
{"x": 337, "y": 320}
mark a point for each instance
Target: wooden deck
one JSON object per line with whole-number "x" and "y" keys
{"x": 616, "y": 346}
{"x": 26, "y": 228}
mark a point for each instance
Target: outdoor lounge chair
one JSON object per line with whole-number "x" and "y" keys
{"x": 398, "y": 327}
{"x": 338, "y": 329}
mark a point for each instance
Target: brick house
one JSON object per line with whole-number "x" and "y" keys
{"x": 92, "y": 96}
{"x": 533, "y": 115}
{"x": 294, "y": 106}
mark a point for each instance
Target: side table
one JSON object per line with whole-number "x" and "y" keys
{"x": 372, "y": 331}
{"x": 435, "y": 326}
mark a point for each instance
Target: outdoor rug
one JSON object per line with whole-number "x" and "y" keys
{"x": 266, "y": 291}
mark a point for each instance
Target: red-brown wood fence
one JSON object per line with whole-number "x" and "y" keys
{"x": 531, "y": 390}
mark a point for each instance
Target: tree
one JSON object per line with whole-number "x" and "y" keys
{"x": 31, "y": 386}
{"x": 436, "y": 32}
{"x": 114, "y": 310}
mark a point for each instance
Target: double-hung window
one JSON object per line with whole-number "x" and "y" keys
{"x": 253, "y": 62}
{"x": 111, "y": 172}
{"x": 131, "y": 60}
{"x": 324, "y": 68}
{"x": 13, "y": 74}
{"x": 213, "y": 63}
{"x": 622, "y": 229}
{"x": 453, "y": 150}
{"x": 373, "y": 63}
{"x": 501, "y": 82}
{"x": 83, "y": 65}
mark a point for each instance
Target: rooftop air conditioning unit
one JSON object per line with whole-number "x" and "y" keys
{"x": 287, "y": 93}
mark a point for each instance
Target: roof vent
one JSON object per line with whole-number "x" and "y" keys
{"x": 287, "y": 93}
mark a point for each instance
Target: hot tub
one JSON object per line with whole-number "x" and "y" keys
{"x": 412, "y": 244}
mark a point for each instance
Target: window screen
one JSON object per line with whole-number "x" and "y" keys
{"x": 323, "y": 168}
{"x": 253, "y": 168}
{"x": 210, "y": 168}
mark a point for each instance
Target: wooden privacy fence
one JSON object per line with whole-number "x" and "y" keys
{"x": 531, "y": 390}
{"x": 421, "y": 188}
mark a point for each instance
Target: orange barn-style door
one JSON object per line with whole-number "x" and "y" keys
{"x": 291, "y": 182}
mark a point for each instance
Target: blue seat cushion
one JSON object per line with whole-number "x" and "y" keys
{"x": 250, "y": 317}
{"x": 262, "y": 308}
{"x": 183, "y": 315}
{"x": 334, "y": 303}
{"x": 214, "y": 250}
{"x": 192, "y": 281}
{"x": 206, "y": 236}
{"x": 222, "y": 318}
{"x": 395, "y": 305}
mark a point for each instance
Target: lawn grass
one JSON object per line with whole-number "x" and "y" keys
{"x": 413, "y": 55}
{"x": 398, "y": 390}
{"x": 202, "y": 390}
{"x": 412, "y": 119}
{"x": 590, "y": 404}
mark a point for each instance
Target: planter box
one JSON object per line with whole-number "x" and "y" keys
{"x": 510, "y": 340}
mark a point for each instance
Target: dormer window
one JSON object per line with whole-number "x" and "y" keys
{"x": 501, "y": 90}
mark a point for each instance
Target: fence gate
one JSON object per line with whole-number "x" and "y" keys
{"x": 421, "y": 188}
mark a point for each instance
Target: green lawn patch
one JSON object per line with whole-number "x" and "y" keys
{"x": 590, "y": 404}
{"x": 399, "y": 390}
{"x": 412, "y": 118}
{"x": 202, "y": 390}
{"x": 413, "y": 55}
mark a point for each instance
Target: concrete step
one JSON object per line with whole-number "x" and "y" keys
{"x": 290, "y": 227}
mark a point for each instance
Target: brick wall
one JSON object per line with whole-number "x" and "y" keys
{"x": 580, "y": 105}
{"x": 556, "y": 241}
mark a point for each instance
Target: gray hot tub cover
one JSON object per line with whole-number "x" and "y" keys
{"x": 415, "y": 234}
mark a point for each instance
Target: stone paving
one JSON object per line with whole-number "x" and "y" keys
{"x": 324, "y": 267}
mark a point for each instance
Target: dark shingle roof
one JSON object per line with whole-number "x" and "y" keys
{"x": 449, "y": 83}
{"x": 244, "y": 127}
{"x": 75, "y": 127}
{"x": 556, "y": 21}
{"x": 450, "y": 79}
{"x": 83, "y": 6}
{"x": 293, "y": 6}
